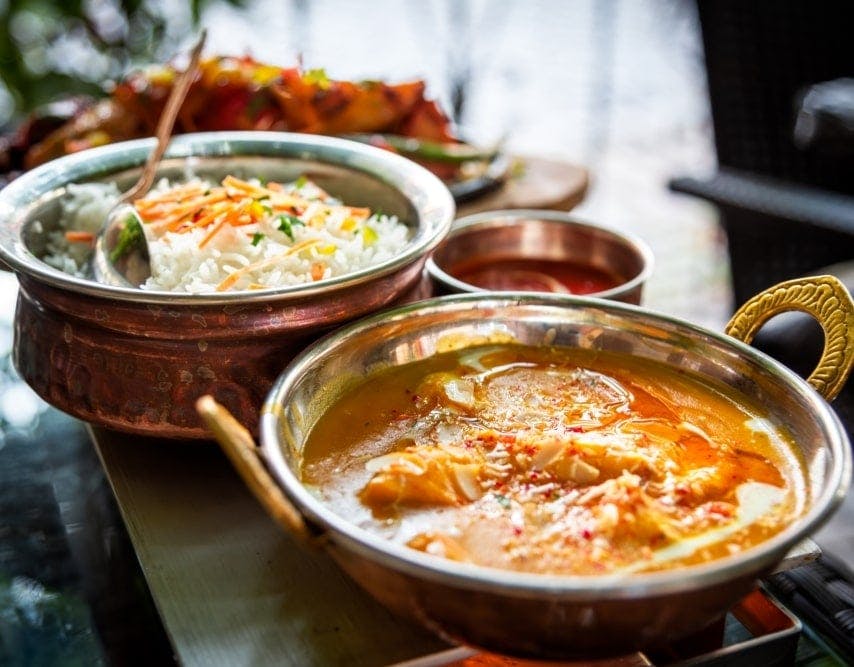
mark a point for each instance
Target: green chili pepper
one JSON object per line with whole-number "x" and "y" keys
{"x": 130, "y": 236}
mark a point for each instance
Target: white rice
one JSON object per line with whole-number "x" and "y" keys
{"x": 83, "y": 208}
{"x": 179, "y": 265}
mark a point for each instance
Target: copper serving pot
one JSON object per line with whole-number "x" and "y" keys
{"x": 543, "y": 615}
{"x": 136, "y": 360}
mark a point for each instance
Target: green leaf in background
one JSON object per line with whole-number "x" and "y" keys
{"x": 54, "y": 48}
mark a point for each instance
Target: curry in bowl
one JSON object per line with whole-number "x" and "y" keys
{"x": 555, "y": 460}
{"x": 553, "y": 476}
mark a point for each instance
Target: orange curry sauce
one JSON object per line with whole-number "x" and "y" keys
{"x": 554, "y": 460}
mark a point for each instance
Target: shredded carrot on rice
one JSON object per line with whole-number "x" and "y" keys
{"x": 234, "y": 276}
{"x": 73, "y": 236}
{"x": 267, "y": 213}
{"x": 191, "y": 206}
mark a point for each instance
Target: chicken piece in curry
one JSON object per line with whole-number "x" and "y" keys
{"x": 554, "y": 460}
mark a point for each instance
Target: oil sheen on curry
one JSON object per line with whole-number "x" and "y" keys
{"x": 554, "y": 460}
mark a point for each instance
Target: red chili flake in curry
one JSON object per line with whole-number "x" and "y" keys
{"x": 556, "y": 460}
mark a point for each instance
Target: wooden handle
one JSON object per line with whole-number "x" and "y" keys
{"x": 240, "y": 448}
{"x": 827, "y": 300}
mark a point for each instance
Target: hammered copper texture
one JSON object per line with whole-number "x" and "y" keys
{"x": 544, "y": 627}
{"x": 139, "y": 368}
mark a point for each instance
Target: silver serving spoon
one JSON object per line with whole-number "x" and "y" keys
{"x": 121, "y": 251}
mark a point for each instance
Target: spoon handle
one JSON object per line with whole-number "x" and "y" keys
{"x": 166, "y": 122}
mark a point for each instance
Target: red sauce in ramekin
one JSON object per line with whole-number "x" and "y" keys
{"x": 535, "y": 275}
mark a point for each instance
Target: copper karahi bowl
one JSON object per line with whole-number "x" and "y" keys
{"x": 136, "y": 360}
{"x": 540, "y": 615}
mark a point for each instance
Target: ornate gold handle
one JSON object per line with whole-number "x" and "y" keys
{"x": 827, "y": 300}
{"x": 240, "y": 448}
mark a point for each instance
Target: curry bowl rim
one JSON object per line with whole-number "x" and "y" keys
{"x": 751, "y": 562}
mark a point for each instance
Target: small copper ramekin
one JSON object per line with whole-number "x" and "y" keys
{"x": 508, "y": 235}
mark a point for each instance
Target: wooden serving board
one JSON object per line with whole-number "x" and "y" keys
{"x": 534, "y": 182}
{"x": 230, "y": 586}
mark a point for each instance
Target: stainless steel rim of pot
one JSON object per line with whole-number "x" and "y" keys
{"x": 429, "y": 197}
